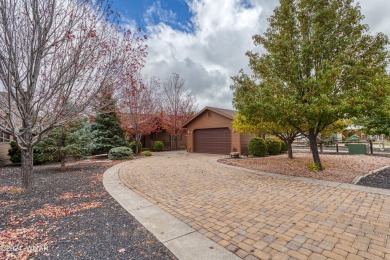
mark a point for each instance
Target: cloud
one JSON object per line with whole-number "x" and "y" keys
{"x": 128, "y": 23}
{"x": 213, "y": 52}
{"x": 214, "y": 49}
{"x": 376, "y": 14}
{"x": 156, "y": 10}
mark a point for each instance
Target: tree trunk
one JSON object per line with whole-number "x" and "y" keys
{"x": 63, "y": 162}
{"x": 176, "y": 141}
{"x": 290, "y": 151}
{"x": 314, "y": 148}
{"x": 137, "y": 141}
{"x": 27, "y": 168}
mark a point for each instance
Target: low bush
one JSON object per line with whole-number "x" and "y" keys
{"x": 146, "y": 153}
{"x": 257, "y": 147}
{"x": 120, "y": 153}
{"x": 133, "y": 146}
{"x": 274, "y": 146}
{"x": 158, "y": 146}
{"x": 14, "y": 153}
{"x": 283, "y": 146}
{"x": 353, "y": 138}
{"x": 313, "y": 167}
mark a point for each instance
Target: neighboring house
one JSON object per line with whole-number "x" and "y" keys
{"x": 160, "y": 134}
{"x": 354, "y": 130}
{"x": 211, "y": 131}
{"x": 5, "y": 140}
{"x": 169, "y": 143}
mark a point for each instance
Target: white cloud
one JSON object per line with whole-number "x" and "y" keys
{"x": 215, "y": 50}
{"x": 155, "y": 10}
{"x": 207, "y": 57}
{"x": 377, "y": 15}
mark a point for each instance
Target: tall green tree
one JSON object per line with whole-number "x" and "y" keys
{"x": 376, "y": 123}
{"x": 106, "y": 130}
{"x": 320, "y": 65}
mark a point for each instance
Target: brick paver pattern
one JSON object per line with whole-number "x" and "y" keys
{"x": 262, "y": 217}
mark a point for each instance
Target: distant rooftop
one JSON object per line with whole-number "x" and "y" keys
{"x": 228, "y": 112}
{"x": 222, "y": 111}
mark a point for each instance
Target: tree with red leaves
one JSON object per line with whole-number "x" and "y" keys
{"x": 55, "y": 57}
{"x": 139, "y": 106}
{"x": 178, "y": 105}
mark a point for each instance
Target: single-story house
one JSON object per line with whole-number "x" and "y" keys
{"x": 161, "y": 134}
{"x": 168, "y": 140}
{"x": 211, "y": 131}
{"x": 5, "y": 140}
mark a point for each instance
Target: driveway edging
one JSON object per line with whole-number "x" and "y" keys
{"x": 182, "y": 240}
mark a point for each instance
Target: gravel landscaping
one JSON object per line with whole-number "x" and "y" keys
{"x": 69, "y": 215}
{"x": 339, "y": 168}
{"x": 380, "y": 179}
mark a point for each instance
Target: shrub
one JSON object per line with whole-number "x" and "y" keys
{"x": 16, "y": 157}
{"x": 257, "y": 147}
{"x": 158, "y": 146}
{"x": 40, "y": 157}
{"x": 313, "y": 167}
{"x": 353, "y": 138}
{"x": 133, "y": 146}
{"x": 120, "y": 153}
{"x": 273, "y": 146}
{"x": 283, "y": 146}
{"x": 14, "y": 153}
{"x": 146, "y": 153}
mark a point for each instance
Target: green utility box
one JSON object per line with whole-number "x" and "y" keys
{"x": 357, "y": 149}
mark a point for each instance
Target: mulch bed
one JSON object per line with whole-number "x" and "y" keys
{"x": 377, "y": 180}
{"x": 69, "y": 215}
{"x": 339, "y": 168}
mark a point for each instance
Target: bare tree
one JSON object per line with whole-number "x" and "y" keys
{"x": 55, "y": 56}
{"x": 178, "y": 105}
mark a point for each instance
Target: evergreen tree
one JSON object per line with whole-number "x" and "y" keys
{"x": 106, "y": 131}
{"x": 58, "y": 144}
{"x": 61, "y": 143}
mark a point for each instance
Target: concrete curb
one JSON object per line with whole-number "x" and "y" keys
{"x": 357, "y": 179}
{"x": 183, "y": 241}
{"x": 307, "y": 180}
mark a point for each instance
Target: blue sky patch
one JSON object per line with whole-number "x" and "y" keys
{"x": 175, "y": 13}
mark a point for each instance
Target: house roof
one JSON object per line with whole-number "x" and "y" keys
{"x": 228, "y": 113}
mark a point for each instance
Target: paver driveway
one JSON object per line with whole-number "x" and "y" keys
{"x": 264, "y": 217}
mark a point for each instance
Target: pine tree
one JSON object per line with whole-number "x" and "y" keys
{"x": 106, "y": 131}
{"x": 59, "y": 144}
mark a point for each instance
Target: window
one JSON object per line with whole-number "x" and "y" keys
{"x": 179, "y": 137}
{"x": 5, "y": 138}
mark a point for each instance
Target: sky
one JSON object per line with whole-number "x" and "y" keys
{"x": 205, "y": 41}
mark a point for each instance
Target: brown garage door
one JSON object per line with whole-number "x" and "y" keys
{"x": 215, "y": 141}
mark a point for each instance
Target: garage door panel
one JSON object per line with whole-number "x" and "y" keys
{"x": 216, "y": 140}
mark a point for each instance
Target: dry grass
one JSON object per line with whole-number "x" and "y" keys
{"x": 340, "y": 168}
